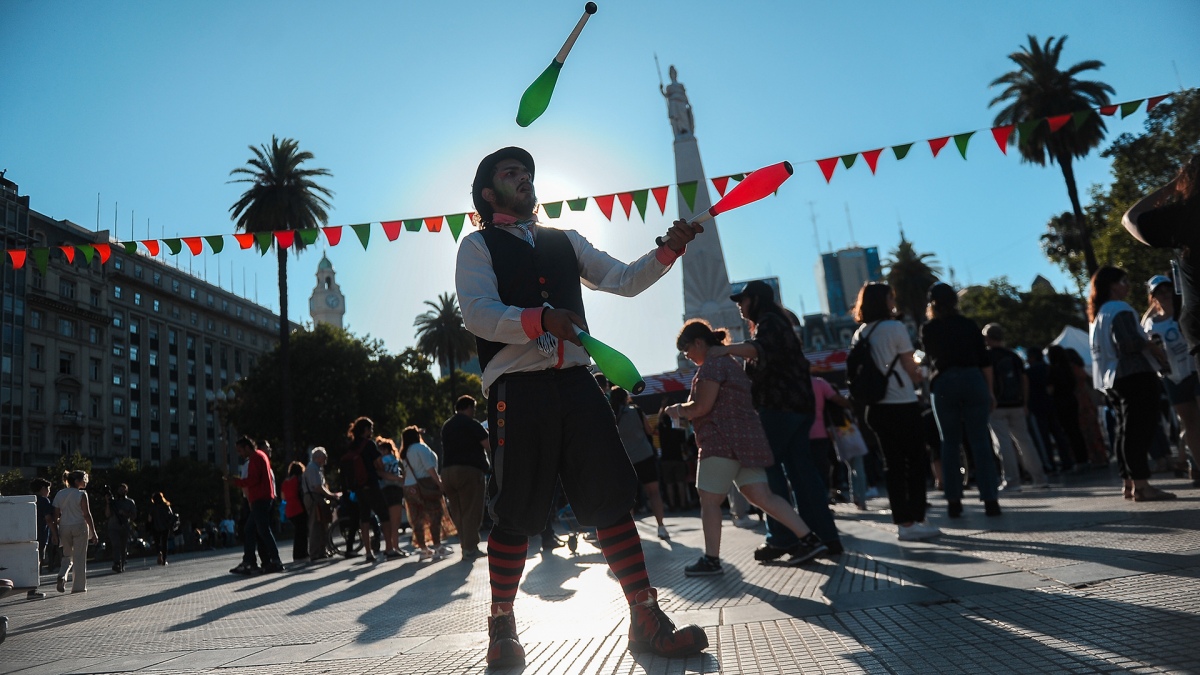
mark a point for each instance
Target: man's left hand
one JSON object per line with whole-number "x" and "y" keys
{"x": 681, "y": 233}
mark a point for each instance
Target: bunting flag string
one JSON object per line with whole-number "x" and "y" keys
{"x": 639, "y": 198}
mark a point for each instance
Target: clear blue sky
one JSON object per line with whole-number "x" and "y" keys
{"x": 152, "y": 104}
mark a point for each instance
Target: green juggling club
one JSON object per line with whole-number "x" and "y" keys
{"x": 537, "y": 97}
{"x": 616, "y": 366}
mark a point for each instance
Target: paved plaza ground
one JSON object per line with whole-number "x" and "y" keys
{"x": 1074, "y": 580}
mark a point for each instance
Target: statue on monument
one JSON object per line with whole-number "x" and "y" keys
{"x": 678, "y": 108}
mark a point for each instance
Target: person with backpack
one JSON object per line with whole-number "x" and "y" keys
{"x": 1010, "y": 418}
{"x": 881, "y": 371}
{"x": 961, "y": 393}
{"x": 362, "y": 468}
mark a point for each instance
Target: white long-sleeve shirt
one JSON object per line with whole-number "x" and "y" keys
{"x": 488, "y": 317}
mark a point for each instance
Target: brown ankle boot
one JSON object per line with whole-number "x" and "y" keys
{"x": 504, "y": 650}
{"x": 651, "y": 631}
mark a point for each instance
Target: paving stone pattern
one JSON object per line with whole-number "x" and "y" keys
{"x": 1072, "y": 580}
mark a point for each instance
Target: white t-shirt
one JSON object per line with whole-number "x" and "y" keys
{"x": 69, "y": 502}
{"x": 888, "y": 340}
{"x": 421, "y": 458}
{"x": 1175, "y": 345}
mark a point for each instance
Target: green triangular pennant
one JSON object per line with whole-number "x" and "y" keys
{"x": 216, "y": 242}
{"x": 1025, "y": 128}
{"x": 41, "y": 258}
{"x": 88, "y": 252}
{"x": 413, "y": 224}
{"x": 1129, "y": 108}
{"x": 264, "y": 240}
{"x": 688, "y": 190}
{"x": 363, "y": 231}
{"x": 739, "y": 177}
{"x": 308, "y": 235}
{"x": 553, "y": 209}
{"x": 130, "y": 246}
{"x": 577, "y": 204}
{"x": 174, "y": 244}
{"x": 901, "y": 151}
{"x": 456, "y": 224}
{"x": 848, "y": 160}
{"x": 639, "y": 199}
{"x": 1080, "y": 118}
{"x": 961, "y": 141}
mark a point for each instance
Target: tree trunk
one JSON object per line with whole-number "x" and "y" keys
{"x": 1081, "y": 224}
{"x": 450, "y": 360}
{"x": 285, "y": 380}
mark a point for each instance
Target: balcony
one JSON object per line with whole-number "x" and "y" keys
{"x": 69, "y": 418}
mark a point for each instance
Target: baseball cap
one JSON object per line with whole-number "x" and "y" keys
{"x": 1156, "y": 281}
{"x": 754, "y": 289}
{"x": 483, "y": 175}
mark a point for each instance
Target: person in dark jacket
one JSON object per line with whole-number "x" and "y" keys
{"x": 162, "y": 524}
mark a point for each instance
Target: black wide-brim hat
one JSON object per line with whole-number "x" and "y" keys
{"x": 483, "y": 175}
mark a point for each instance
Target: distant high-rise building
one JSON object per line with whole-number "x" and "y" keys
{"x": 840, "y": 274}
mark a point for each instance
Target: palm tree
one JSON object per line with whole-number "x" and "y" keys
{"x": 910, "y": 274}
{"x": 281, "y": 196}
{"x": 1037, "y": 89}
{"x": 442, "y": 335}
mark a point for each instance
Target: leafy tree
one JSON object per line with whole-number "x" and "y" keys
{"x": 67, "y": 463}
{"x": 1031, "y": 319}
{"x": 1037, "y": 89}
{"x": 1141, "y": 164}
{"x": 13, "y": 482}
{"x": 281, "y": 196}
{"x": 910, "y": 274}
{"x": 442, "y": 334}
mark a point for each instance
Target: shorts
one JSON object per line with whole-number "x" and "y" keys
{"x": 393, "y": 495}
{"x": 370, "y": 498}
{"x": 647, "y": 470}
{"x": 717, "y": 474}
{"x": 1184, "y": 391}
{"x": 673, "y": 470}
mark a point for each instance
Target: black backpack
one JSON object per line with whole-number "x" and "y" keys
{"x": 353, "y": 468}
{"x": 1006, "y": 379}
{"x": 868, "y": 384}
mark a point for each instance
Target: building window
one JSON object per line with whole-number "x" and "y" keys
{"x": 156, "y": 305}
{"x": 35, "y": 399}
{"x": 93, "y": 335}
{"x": 95, "y": 297}
{"x": 192, "y": 293}
{"x": 137, "y": 271}
{"x": 118, "y": 435}
{"x": 133, "y": 353}
{"x": 137, "y": 299}
{"x": 66, "y": 363}
{"x": 94, "y": 370}
{"x": 118, "y": 264}
{"x": 117, "y": 291}
{"x": 39, "y": 279}
{"x": 172, "y": 336}
{"x": 135, "y": 379}
{"x": 66, "y": 289}
{"x": 210, "y": 324}
{"x": 134, "y": 326}
{"x": 153, "y": 358}
{"x": 67, "y": 327}
{"x": 36, "y": 357}
{"x": 118, "y": 376}
{"x": 157, "y": 279}
{"x": 210, "y": 299}
{"x": 225, "y": 306}
{"x": 195, "y": 319}
{"x": 118, "y": 349}
{"x": 66, "y": 402}
{"x": 118, "y": 319}
{"x": 35, "y": 319}
{"x": 237, "y": 311}
{"x": 135, "y": 409}
{"x": 175, "y": 285}
{"x": 96, "y": 403}
{"x": 240, "y": 335}
{"x": 118, "y": 406}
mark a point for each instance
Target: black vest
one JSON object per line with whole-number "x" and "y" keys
{"x": 529, "y": 276}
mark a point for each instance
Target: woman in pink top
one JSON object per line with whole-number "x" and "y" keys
{"x": 822, "y": 447}
{"x": 733, "y": 447}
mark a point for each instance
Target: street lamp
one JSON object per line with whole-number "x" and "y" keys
{"x": 218, "y": 403}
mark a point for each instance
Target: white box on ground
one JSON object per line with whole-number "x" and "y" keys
{"x": 19, "y": 562}
{"x": 18, "y": 519}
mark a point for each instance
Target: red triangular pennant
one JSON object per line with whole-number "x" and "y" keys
{"x": 18, "y": 258}
{"x": 68, "y": 253}
{"x": 194, "y": 244}
{"x": 872, "y": 158}
{"x": 1058, "y": 121}
{"x": 105, "y": 252}
{"x": 433, "y": 223}
{"x": 626, "y": 199}
{"x": 1154, "y": 101}
{"x": 660, "y": 196}
{"x": 391, "y": 228}
{"x": 721, "y": 183}
{"x": 151, "y": 245}
{"x": 1109, "y": 110}
{"x": 285, "y": 238}
{"x": 245, "y": 239}
{"x": 605, "y": 202}
{"x": 827, "y": 166}
{"x": 936, "y": 144}
{"x": 1001, "y": 135}
{"x": 333, "y": 234}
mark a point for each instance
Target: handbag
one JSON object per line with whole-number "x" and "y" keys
{"x": 427, "y": 486}
{"x": 848, "y": 441}
{"x": 324, "y": 509}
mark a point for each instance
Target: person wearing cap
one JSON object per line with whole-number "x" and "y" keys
{"x": 1010, "y": 418}
{"x": 520, "y": 286}
{"x": 781, "y": 387}
{"x": 960, "y": 383}
{"x": 1178, "y": 373}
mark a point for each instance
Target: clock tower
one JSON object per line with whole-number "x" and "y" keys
{"x": 327, "y": 304}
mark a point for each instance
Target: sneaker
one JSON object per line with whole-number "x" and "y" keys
{"x": 1010, "y": 487}
{"x": 504, "y": 649}
{"x": 929, "y": 527}
{"x": 35, "y": 594}
{"x": 370, "y": 558}
{"x": 704, "y": 567}
{"x": 472, "y": 554}
{"x": 745, "y": 522}
{"x": 767, "y": 552}
{"x": 871, "y": 493}
{"x": 272, "y": 568}
{"x": 663, "y": 534}
{"x": 808, "y": 548}
{"x": 245, "y": 570}
{"x": 650, "y": 630}
{"x": 424, "y": 554}
{"x": 912, "y": 532}
{"x": 444, "y": 550}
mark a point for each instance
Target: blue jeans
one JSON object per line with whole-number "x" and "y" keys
{"x": 787, "y": 434}
{"x": 258, "y": 534}
{"x": 962, "y": 403}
